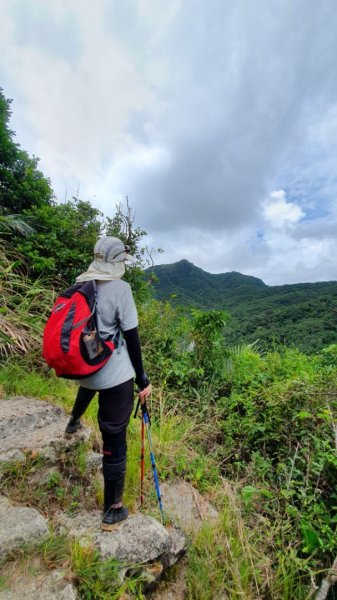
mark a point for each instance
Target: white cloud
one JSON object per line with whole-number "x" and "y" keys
{"x": 76, "y": 115}
{"x": 191, "y": 110}
{"x": 277, "y": 258}
{"x": 280, "y": 213}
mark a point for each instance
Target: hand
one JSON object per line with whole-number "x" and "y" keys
{"x": 145, "y": 393}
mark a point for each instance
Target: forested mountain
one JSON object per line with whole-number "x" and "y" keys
{"x": 303, "y": 314}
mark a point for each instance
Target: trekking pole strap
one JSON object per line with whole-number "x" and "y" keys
{"x": 144, "y": 411}
{"x": 137, "y": 409}
{"x": 145, "y": 414}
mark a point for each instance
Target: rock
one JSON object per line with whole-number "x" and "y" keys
{"x": 12, "y": 457}
{"x": 48, "y": 453}
{"x": 138, "y": 540}
{"x": 9, "y": 459}
{"x": 35, "y": 425}
{"x": 93, "y": 462}
{"x": 43, "y": 476}
{"x": 45, "y": 587}
{"x": 19, "y": 525}
{"x": 83, "y": 526}
{"x": 185, "y": 506}
{"x": 173, "y": 590}
{"x": 177, "y": 548}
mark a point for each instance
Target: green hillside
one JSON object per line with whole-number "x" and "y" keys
{"x": 303, "y": 314}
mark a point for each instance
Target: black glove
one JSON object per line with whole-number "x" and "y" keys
{"x": 143, "y": 381}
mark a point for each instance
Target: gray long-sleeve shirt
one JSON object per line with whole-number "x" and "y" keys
{"x": 116, "y": 310}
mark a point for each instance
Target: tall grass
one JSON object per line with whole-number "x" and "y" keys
{"x": 24, "y": 306}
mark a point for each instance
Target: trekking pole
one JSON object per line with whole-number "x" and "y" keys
{"x": 142, "y": 450}
{"x": 142, "y": 454}
{"x": 146, "y": 421}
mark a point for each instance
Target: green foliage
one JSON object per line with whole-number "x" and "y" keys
{"x": 181, "y": 351}
{"x": 81, "y": 564}
{"x": 329, "y": 356}
{"x": 22, "y": 185}
{"x": 20, "y": 379}
{"x": 65, "y": 487}
{"x": 209, "y": 352}
{"x": 10, "y": 224}
{"x": 62, "y": 245}
{"x": 164, "y": 337}
{"x": 279, "y": 429}
{"x": 97, "y": 579}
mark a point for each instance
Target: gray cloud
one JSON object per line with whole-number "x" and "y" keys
{"x": 35, "y": 25}
{"x": 243, "y": 88}
{"x": 197, "y": 111}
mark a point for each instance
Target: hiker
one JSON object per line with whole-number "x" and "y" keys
{"x": 117, "y": 320}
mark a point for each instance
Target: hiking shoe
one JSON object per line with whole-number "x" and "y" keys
{"x": 114, "y": 516}
{"x": 73, "y": 425}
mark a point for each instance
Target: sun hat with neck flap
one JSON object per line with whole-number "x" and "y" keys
{"x": 110, "y": 254}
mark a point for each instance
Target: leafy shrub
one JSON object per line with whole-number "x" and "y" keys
{"x": 279, "y": 429}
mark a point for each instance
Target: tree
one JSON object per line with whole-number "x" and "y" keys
{"x": 122, "y": 225}
{"x": 22, "y": 185}
{"x": 62, "y": 245}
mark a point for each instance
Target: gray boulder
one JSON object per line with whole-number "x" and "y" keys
{"x": 139, "y": 540}
{"x": 12, "y": 457}
{"x": 36, "y": 425}
{"x": 18, "y": 526}
{"x": 178, "y": 546}
{"x": 93, "y": 462}
{"x": 45, "y": 587}
{"x": 185, "y": 506}
{"x": 173, "y": 589}
{"x": 82, "y": 526}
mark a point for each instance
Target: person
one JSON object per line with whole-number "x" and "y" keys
{"x": 117, "y": 320}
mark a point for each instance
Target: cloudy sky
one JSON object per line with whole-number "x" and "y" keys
{"x": 217, "y": 119}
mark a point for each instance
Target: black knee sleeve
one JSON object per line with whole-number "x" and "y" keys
{"x": 114, "y": 471}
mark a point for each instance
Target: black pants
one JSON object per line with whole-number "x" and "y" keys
{"x": 115, "y": 407}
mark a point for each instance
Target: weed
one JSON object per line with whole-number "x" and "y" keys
{"x": 223, "y": 562}
{"x": 3, "y": 582}
{"x": 21, "y": 380}
{"x": 94, "y": 579}
{"x": 36, "y": 484}
{"x": 101, "y": 580}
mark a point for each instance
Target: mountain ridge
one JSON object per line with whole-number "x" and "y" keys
{"x": 184, "y": 261}
{"x": 303, "y": 314}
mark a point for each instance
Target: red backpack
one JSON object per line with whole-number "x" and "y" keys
{"x": 71, "y": 341}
